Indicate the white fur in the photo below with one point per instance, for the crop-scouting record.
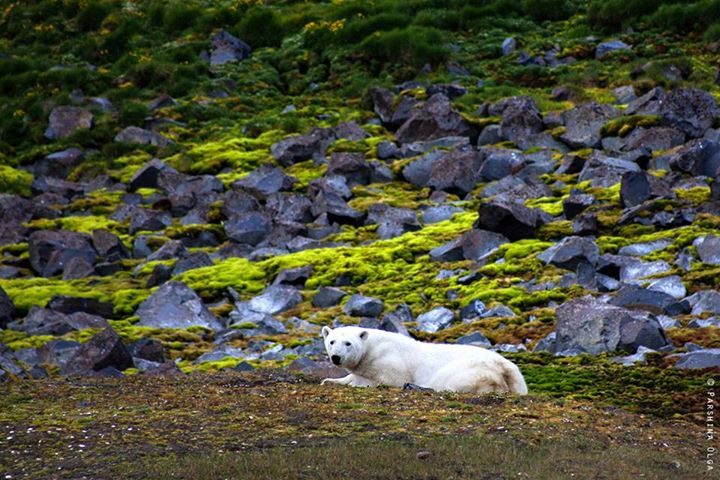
(376, 357)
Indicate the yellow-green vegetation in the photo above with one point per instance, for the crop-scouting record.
(622, 126)
(15, 181)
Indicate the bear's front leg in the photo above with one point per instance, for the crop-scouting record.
(352, 380)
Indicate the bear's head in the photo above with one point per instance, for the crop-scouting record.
(344, 345)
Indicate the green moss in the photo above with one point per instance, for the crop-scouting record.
(551, 205)
(15, 181)
(17, 340)
(624, 125)
(696, 195)
(82, 224)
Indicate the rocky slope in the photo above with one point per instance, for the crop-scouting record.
(556, 200)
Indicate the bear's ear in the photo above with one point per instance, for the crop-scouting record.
(326, 331)
(363, 335)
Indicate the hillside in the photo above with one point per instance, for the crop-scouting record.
(190, 190)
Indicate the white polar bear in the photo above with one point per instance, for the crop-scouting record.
(376, 357)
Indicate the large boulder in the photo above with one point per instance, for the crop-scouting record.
(249, 228)
(350, 165)
(175, 305)
(511, 219)
(437, 118)
(64, 121)
(109, 246)
(227, 48)
(690, 110)
(50, 251)
(696, 157)
(520, 121)
(583, 124)
(498, 163)
(637, 298)
(104, 350)
(638, 187)
(592, 326)
(147, 175)
(455, 172)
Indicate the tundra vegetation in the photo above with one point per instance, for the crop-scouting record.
(190, 190)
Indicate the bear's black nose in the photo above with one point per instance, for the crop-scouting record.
(335, 359)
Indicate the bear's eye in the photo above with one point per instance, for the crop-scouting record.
(347, 344)
(332, 342)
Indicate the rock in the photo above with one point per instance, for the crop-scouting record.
(316, 369)
(352, 166)
(704, 323)
(249, 228)
(144, 219)
(668, 322)
(50, 251)
(57, 352)
(498, 311)
(635, 358)
(472, 245)
(511, 219)
(672, 285)
(604, 171)
(476, 339)
(653, 301)
(439, 213)
(192, 261)
(454, 172)
(520, 121)
(295, 277)
(547, 343)
(583, 124)
(595, 327)
(653, 139)
(574, 205)
(175, 305)
(103, 350)
(571, 252)
(382, 100)
(289, 207)
(7, 309)
(696, 157)
(642, 249)
(435, 119)
(68, 305)
(362, 306)
(109, 246)
(332, 184)
(148, 349)
(648, 104)
(77, 268)
(624, 94)
(220, 353)
(498, 163)
(64, 121)
(59, 164)
(170, 250)
(327, 297)
(638, 187)
(509, 45)
(266, 180)
(637, 270)
(227, 48)
(709, 250)
(474, 309)
(690, 110)
(387, 150)
(490, 135)
(336, 209)
(140, 136)
(160, 274)
(62, 190)
(708, 358)
(395, 321)
(302, 147)
(418, 172)
(610, 46)
(705, 301)
(147, 175)
(275, 299)
(392, 221)
(437, 319)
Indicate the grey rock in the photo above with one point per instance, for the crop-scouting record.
(266, 180)
(570, 252)
(435, 320)
(638, 357)
(476, 339)
(547, 343)
(490, 135)
(148, 349)
(574, 205)
(509, 45)
(328, 297)
(248, 228)
(511, 219)
(50, 251)
(642, 249)
(653, 301)
(220, 353)
(147, 175)
(227, 48)
(7, 309)
(472, 245)
(705, 301)
(709, 358)
(59, 164)
(624, 94)
(192, 261)
(435, 119)
(605, 48)
(395, 321)
(275, 299)
(362, 306)
(103, 350)
(691, 110)
(709, 250)
(175, 305)
(64, 121)
(498, 311)
(583, 124)
(140, 136)
(671, 285)
(595, 327)
(474, 309)
(439, 213)
(704, 323)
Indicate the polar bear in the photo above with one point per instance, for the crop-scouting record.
(376, 357)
